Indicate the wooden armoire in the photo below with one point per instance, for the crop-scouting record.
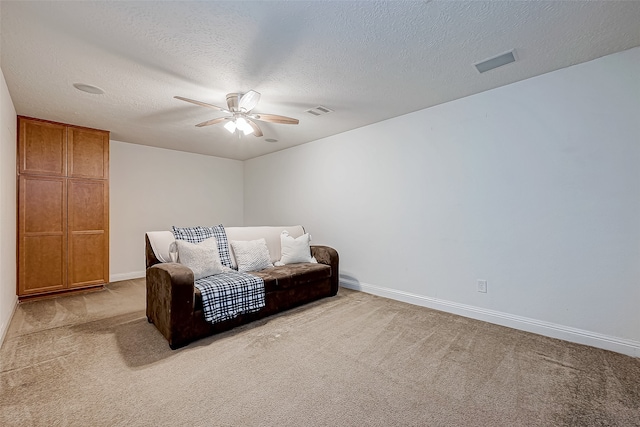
(63, 207)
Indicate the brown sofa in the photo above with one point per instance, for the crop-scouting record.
(174, 304)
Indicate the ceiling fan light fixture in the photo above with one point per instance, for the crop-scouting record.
(230, 126)
(244, 126)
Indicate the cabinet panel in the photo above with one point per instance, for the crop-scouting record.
(88, 210)
(88, 153)
(42, 264)
(87, 255)
(43, 204)
(42, 234)
(42, 147)
(88, 205)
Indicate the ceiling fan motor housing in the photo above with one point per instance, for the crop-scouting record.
(233, 101)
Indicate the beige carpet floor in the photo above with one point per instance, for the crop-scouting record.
(351, 360)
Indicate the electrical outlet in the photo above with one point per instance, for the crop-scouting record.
(482, 286)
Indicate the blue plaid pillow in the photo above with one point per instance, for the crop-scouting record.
(198, 234)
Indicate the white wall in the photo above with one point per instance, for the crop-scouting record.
(8, 208)
(534, 187)
(154, 188)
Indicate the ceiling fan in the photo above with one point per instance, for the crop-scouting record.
(241, 118)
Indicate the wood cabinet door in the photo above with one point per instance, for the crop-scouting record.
(42, 234)
(88, 153)
(42, 147)
(88, 210)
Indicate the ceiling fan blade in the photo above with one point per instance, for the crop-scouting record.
(273, 118)
(256, 129)
(202, 104)
(249, 100)
(212, 121)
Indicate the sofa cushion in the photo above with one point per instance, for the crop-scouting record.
(160, 242)
(289, 276)
(199, 233)
(270, 234)
(279, 278)
(295, 250)
(251, 255)
(202, 258)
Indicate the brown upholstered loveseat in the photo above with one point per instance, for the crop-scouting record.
(174, 304)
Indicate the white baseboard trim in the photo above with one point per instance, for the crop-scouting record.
(567, 333)
(126, 276)
(4, 326)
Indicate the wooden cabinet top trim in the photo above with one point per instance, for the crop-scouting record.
(59, 123)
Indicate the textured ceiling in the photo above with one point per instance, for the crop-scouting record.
(368, 61)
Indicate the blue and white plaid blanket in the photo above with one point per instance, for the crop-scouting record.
(226, 295)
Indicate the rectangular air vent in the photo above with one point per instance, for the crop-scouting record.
(319, 110)
(496, 61)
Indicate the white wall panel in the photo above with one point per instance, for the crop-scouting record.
(534, 187)
(153, 188)
(8, 207)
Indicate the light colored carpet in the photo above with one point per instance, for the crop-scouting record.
(351, 360)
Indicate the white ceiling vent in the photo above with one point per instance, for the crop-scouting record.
(496, 61)
(319, 111)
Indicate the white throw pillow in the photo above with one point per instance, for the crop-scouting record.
(251, 255)
(202, 258)
(295, 250)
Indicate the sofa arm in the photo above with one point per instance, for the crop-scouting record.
(329, 256)
(170, 300)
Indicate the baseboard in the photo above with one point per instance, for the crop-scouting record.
(4, 327)
(580, 336)
(126, 276)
